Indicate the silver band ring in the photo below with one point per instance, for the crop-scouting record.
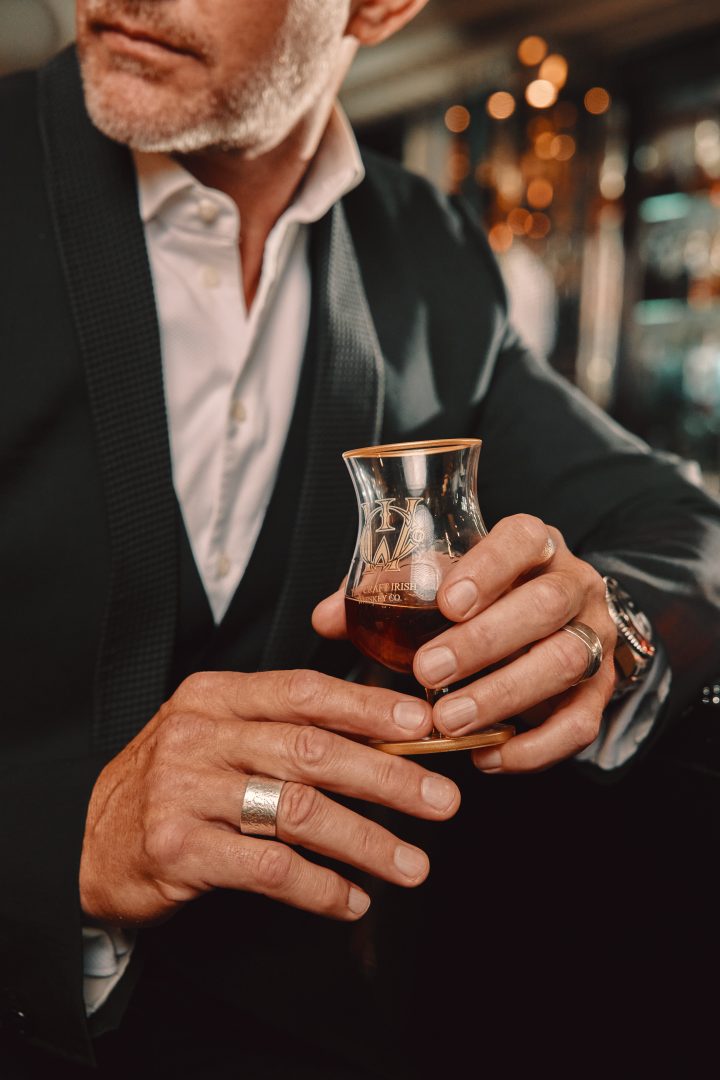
(592, 643)
(258, 813)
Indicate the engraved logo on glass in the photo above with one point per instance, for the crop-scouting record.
(392, 537)
(382, 519)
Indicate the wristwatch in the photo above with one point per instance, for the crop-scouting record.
(634, 650)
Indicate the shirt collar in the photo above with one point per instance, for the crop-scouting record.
(335, 170)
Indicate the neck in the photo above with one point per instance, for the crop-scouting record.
(262, 188)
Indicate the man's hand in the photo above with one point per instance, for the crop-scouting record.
(510, 597)
(163, 820)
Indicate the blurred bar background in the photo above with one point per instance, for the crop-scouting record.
(586, 136)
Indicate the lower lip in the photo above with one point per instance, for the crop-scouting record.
(139, 48)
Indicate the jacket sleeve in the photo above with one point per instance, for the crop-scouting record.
(42, 809)
(629, 512)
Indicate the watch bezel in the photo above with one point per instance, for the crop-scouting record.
(635, 650)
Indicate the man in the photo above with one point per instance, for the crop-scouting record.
(201, 239)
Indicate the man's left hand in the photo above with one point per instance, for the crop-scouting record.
(509, 598)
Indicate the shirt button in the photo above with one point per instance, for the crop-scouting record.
(210, 277)
(222, 567)
(207, 211)
(238, 412)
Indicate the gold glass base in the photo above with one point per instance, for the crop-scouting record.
(441, 744)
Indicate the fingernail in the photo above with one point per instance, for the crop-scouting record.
(461, 596)
(487, 760)
(410, 715)
(457, 713)
(358, 901)
(438, 792)
(410, 861)
(437, 664)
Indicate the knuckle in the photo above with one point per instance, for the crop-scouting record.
(528, 527)
(165, 841)
(368, 708)
(567, 658)
(273, 868)
(394, 779)
(196, 687)
(311, 747)
(480, 638)
(582, 730)
(304, 689)
(300, 805)
(365, 843)
(162, 780)
(501, 692)
(328, 897)
(487, 560)
(552, 598)
(181, 730)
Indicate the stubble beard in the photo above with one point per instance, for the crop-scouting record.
(253, 113)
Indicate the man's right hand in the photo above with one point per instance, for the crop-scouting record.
(163, 820)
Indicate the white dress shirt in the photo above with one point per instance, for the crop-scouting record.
(231, 377)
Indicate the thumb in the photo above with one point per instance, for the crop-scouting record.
(328, 618)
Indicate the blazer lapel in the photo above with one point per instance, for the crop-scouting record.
(102, 245)
(346, 412)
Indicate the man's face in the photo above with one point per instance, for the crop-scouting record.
(184, 75)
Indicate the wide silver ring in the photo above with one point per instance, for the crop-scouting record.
(592, 643)
(258, 813)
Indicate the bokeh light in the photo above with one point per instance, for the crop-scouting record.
(562, 147)
(457, 119)
(597, 100)
(544, 145)
(541, 94)
(554, 68)
(612, 184)
(539, 226)
(532, 50)
(500, 237)
(509, 180)
(646, 158)
(538, 125)
(540, 193)
(500, 105)
(519, 220)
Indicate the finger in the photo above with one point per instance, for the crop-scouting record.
(328, 618)
(515, 546)
(310, 755)
(551, 667)
(220, 858)
(307, 817)
(571, 728)
(308, 697)
(526, 614)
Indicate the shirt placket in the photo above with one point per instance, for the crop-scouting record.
(241, 424)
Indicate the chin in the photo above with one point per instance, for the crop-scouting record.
(133, 108)
(155, 112)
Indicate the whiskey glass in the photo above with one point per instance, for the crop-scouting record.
(418, 514)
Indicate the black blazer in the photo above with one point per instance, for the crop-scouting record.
(412, 341)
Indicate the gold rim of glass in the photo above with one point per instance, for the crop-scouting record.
(430, 446)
